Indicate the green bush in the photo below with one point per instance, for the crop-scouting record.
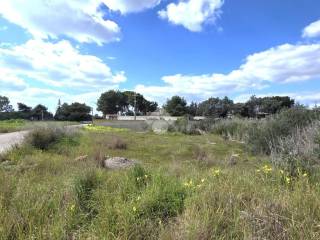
(299, 152)
(43, 138)
(263, 134)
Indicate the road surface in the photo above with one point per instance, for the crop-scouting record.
(9, 140)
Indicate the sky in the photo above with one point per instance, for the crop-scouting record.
(77, 49)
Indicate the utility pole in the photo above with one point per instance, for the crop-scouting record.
(135, 105)
(92, 115)
(42, 115)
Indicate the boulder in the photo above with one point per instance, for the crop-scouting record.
(118, 163)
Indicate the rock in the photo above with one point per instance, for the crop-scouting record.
(118, 163)
(81, 158)
(234, 159)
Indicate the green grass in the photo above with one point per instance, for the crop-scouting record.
(15, 125)
(183, 188)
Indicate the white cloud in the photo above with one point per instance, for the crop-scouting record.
(77, 19)
(312, 30)
(126, 6)
(192, 14)
(56, 64)
(283, 64)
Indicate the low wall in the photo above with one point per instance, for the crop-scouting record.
(145, 118)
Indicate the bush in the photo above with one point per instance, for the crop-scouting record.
(232, 128)
(263, 135)
(298, 152)
(186, 126)
(43, 138)
(117, 143)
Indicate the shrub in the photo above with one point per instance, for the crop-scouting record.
(186, 126)
(298, 152)
(43, 138)
(117, 143)
(232, 128)
(262, 135)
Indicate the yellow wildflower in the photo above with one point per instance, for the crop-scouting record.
(305, 175)
(288, 180)
(134, 209)
(202, 180)
(267, 169)
(216, 172)
(72, 207)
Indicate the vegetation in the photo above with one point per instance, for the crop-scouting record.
(20, 125)
(114, 102)
(176, 106)
(185, 186)
(73, 112)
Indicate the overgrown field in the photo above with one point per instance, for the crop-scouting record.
(14, 125)
(185, 187)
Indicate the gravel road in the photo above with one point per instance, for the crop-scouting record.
(9, 140)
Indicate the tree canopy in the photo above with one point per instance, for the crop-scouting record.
(5, 104)
(73, 112)
(114, 102)
(176, 106)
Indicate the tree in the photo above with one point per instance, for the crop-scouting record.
(268, 105)
(136, 100)
(112, 102)
(24, 108)
(5, 104)
(40, 112)
(74, 112)
(176, 106)
(216, 107)
(193, 109)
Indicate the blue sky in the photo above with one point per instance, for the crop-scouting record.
(77, 49)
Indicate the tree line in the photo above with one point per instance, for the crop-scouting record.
(129, 103)
(223, 107)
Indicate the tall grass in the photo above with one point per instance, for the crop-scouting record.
(49, 195)
(262, 135)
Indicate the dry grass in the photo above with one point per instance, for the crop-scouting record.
(117, 143)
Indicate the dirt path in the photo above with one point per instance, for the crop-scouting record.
(9, 140)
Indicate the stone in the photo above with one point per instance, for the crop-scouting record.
(118, 163)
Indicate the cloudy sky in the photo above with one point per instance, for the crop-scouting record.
(76, 49)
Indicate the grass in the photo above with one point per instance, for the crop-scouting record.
(8, 126)
(183, 188)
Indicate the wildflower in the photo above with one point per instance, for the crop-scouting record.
(266, 169)
(146, 176)
(202, 180)
(288, 180)
(216, 172)
(138, 198)
(134, 209)
(188, 184)
(305, 175)
(138, 179)
(72, 207)
(282, 172)
(258, 170)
